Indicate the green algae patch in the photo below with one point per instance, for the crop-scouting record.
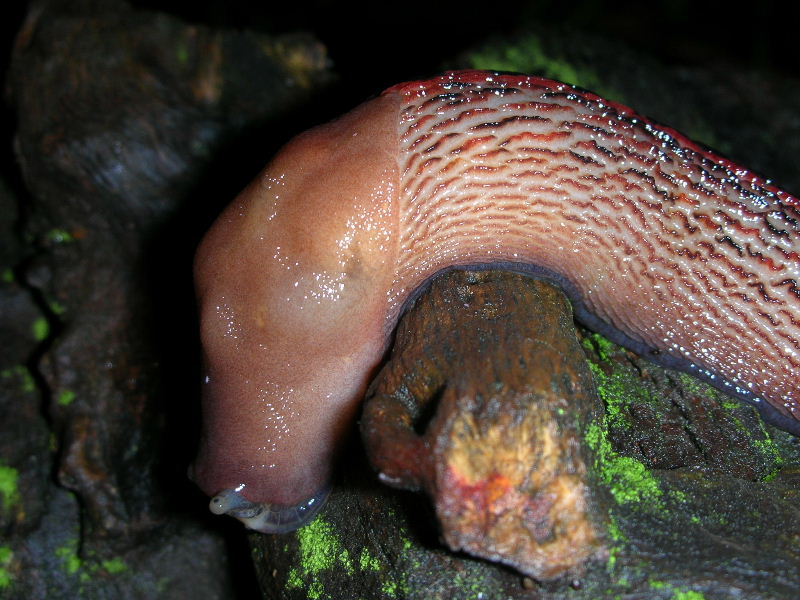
(472, 586)
(74, 565)
(8, 276)
(9, 487)
(688, 595)
(602, 346)
(23, 374)
(114, 566)
(56, 307)
(759, 439)
(59, 236)
(771, 453)
(182, 54)
(6, 555)
(617, 538)
(40, 329)
(677, 593)
(68, 553)
(530, 56)
(65, 397)
(695, 386)
(367, 562)
(627, 478)
(391, 589)
(320, 550)
(619, 385)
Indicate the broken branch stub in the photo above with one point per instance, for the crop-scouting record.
(483, 404)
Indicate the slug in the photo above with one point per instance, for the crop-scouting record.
(662, 246)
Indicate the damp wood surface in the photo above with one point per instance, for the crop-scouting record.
(119, 114)
(484, 404)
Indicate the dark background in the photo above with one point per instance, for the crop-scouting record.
(374, 44)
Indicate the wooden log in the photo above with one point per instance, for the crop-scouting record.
(484, 404)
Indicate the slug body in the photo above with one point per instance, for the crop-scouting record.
(662, 246)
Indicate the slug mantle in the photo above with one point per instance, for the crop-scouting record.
(664, 247)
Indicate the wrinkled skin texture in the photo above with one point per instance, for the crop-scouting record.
(287, 255)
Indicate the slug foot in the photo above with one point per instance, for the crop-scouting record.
(265, 517)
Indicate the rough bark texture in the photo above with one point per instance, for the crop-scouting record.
(120, 114)
(485, 403)
(134, 129)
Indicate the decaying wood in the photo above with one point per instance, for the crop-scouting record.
(484, 404)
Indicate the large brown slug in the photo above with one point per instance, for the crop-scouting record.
(662, 246)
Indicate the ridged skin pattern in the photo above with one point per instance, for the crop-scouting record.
(681, 252)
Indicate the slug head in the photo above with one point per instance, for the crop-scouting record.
(292, 285)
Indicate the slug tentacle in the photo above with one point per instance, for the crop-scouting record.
(265, 517)
(661, 245)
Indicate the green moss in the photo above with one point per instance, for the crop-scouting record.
(677, 593)
(59, 236)
(471, 585)
(114, 566)
(68, 553)
(769, 450)
(367, 562)
(9, 488)
(603, 347)
(688, 595)
(390, 588)
(8, 275)
(679, 496)
(40, 329)
(617, 538)
(85, 569)
(6, 555)
(412, 558)
(694, 386)
(182, 53)
(619, 386)
(627, 478)
(27, 383)
(657, 585)
(294, 580)
(765, 444)
(530, 56)
(614, 390)
(66, 397)
(393, 588)
(614, 531)
(56, 307)
(320, 550)
(771, 453)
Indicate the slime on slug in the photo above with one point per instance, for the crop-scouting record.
(662, 246)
